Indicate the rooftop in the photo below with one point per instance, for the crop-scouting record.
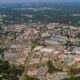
(58, 38)
(49, 50)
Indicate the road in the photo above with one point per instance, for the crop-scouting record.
(30, 55)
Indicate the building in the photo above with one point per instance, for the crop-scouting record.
(35, 59)
(57, 76)
(16, 48)
(32, 72)
(56, 41)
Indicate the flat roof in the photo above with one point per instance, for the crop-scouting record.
(49, 50)
(38, 48)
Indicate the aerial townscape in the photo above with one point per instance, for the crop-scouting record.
(40, 41)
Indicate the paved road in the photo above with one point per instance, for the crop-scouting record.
(29, 57)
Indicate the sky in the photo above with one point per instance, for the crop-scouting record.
(19, 1)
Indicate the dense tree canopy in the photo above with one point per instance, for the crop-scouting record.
(52, 68)
(6, 68)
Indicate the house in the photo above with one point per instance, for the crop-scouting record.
(35, 58)
(46, 34)
(46, 54)
(11, 57)
(73, 40)
(16, 48)
(45, 58)
(15, 58)
(77, 50)
(21, 61)
(26, 51)
(32, 72)
(42, 72)
(38, 48)
(47, 50)
(56, 41)
(57, 76)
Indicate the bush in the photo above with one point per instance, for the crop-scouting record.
(51, 67)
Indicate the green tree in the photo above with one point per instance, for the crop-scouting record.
(20, 69)
(52, 68)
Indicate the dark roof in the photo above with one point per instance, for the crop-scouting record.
(58, 38)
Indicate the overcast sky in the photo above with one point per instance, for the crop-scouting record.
(19, 1)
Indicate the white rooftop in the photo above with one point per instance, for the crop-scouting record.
(48, 50)
(56, 52)
(77, 52)
(38, 48)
